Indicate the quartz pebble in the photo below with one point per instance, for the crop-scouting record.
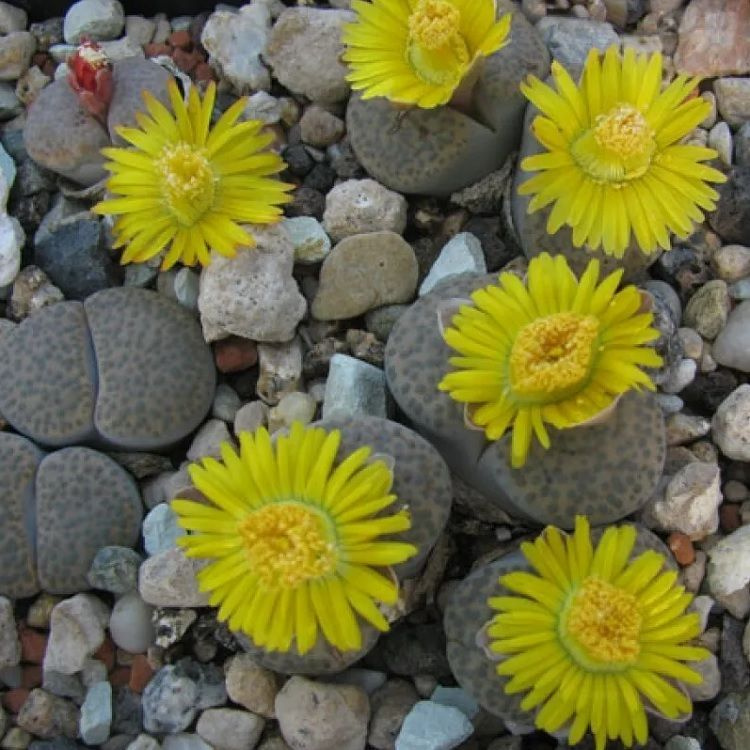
(728, 567)
(230, 728)
(160, 529)
(729, 425)
(96, 714)
(292, 407)
(251, 686)
(115, 569)
(16, 50)
(185, 741)
(354, 387)
(311, 242)
(357, 206)
(96, 20)
(280, 370)
(720, 139)
(732, 345)
(250, 417)
(733, 99)
(168, 580)
(434, 726)
(461, 254)
(130, 624)
(208, 440)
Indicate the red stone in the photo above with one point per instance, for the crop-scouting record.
(729, 517)
(181, 39)
(106, 653)
(154, 49)
(235, 354)
(119, 676)
(682, 548)
(14, 699)
(140, 673)
(31, 676)
(187, 61)
(204, 72)
(33, 645)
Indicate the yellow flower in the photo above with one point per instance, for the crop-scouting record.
(187, 186)
(595, 638)
(294, 541)
(554, 350)
(419, 51)
(614, 163)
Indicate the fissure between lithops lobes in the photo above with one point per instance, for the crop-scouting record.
(553, 350)
(186, 188)
(594, 638)
(419, 51)
(614, 165)
(296, 537)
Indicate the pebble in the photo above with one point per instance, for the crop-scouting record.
(235, 42)
(720, 138)
(10, 646)
(357, 206)
(185, 741)
(570, 39)
(318, 127)
(130, 624)
(684, 428)
(235, 354)
(226, 403)
(462, 254)
(171, 624)
(12, 18)
(208, 440)
(679, 376)
(252, 295)
(741, 145)
(304, 50)
(76, 632)
(169, 701)
(319, 716)
(264, 107)
(47, 716)
(16, 50)
(250, 417)
(354, 387)
(369, 680)
(732, 345)
(693, 574)
(115, 569)
(168, 580)
(18, 739)
(710, 685)
(732, 262)
(729, 424)
(292, 407)
(96, 714)
(311, 242)
(280, 370)
(32, 291)
(363, 272)
(691, 501)
(733, 99)
(139, 29)
(728, 568)
(96, 20)
(735, 491)
(730, 721)
(12, 238)
(230, 728)
(251, 686)
(708, 309)
(681, 547)
(144, 742)
(10, 105)
(160, 528)
(432, 726)
(390, 704)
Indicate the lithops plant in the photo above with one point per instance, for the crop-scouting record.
(127, 368)
(58, 510)
(607, 470)
(380, 489)
(71, 120)
(441, 149)
(577, 632)
(613, 168)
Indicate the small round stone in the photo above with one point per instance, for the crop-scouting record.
(130, 624)
(115, 569)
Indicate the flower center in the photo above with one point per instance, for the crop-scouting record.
(604, 622)
(619, 148)
(436, 50)
(551, 356)
(187, 181)
(287, 544)
(623, 131)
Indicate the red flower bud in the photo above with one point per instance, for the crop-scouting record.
(90, 76)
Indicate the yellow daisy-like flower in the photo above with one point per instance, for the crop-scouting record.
(593, 638)
(186, 186)
(295, 540)
(555, 350)
(419, 51)
(614, 164)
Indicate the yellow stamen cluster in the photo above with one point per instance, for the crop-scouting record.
(434, 23)
(624, 131)
(187, 181)
(605, 622)
(287, 544)
(553, 353)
